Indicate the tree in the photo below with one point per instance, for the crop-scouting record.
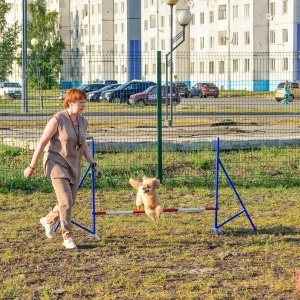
(45, 59)
(8, 41)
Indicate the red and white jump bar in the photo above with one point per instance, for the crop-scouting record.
(130, 212)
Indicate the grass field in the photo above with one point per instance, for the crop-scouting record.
(175, 257)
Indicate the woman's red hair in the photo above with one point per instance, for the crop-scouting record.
(74, 95)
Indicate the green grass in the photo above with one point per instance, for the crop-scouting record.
(175, 257)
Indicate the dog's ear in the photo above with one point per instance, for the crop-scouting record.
(156, 183)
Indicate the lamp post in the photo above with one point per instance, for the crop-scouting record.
(24, 57)
(184, 17)
(34, 42)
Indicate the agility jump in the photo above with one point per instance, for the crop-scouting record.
(215, 208)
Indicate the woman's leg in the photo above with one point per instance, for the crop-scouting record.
(66, 195)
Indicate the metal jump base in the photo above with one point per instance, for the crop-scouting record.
(217, 226)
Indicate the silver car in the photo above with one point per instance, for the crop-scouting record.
(280, 92)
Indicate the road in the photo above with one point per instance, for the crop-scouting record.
(253, 103)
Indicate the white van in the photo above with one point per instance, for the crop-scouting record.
(13, 90)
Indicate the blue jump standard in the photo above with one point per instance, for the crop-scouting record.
(244, 210)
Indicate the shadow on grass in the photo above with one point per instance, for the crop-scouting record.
(275, 230)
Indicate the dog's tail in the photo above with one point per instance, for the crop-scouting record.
(134, 183)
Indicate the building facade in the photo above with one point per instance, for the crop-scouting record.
(238, 44)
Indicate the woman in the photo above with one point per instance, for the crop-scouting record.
(287, 92)
(64, 141)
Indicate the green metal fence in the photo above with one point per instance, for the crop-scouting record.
(245, 116)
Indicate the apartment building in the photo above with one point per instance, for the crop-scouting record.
(238, 44)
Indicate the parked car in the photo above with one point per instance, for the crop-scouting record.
(124, 91)
(95, 95)
(204, 89)
(182, 87)
(109, 81)
(11, 89)
(86, 88)
(295, 91)
(105, 94)
(149, 96)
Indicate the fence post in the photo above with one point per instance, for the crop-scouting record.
(159, 118)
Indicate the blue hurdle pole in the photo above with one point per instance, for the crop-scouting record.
(244, 210)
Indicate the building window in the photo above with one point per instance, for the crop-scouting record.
(222, 38)
(116, 8)
(116, 48)
(162, 21)
(93, 29)
(146, 48)
(202, 43)
(201, 67)
(85, 30)
(211, 67)
(202, 18)
(247, 37)
(122, 48)
(122, 27)
(272, 64)
(192, 68)
(272, 8)
(163, 44)
(211, 16)
(122, 7)
(192, 41)
(247, 65)
(99, 8)
(152, 43)
(284, 6)
(116, 28)
(247, 10)
(152, 21)
(235, 12)
(145, 3)
(222, 12)
(235, 65)
(146, 68)
(93, 9)
(285, 64)
(193, 19)
(163, 68)
(99, 28)
(235, 39)
(272, 36)
(221, 67)
(153, 68)
(146, 25)
(85, 10)
(285, 36)
(211, 42)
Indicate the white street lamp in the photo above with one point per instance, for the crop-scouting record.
(184, 17)
(34, 42)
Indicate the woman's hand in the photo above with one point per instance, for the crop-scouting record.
(98, 171)
(28, 172)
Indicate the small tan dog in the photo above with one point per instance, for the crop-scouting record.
(148, 196)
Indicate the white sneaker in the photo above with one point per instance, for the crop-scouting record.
(69, 244)
(49, 229)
